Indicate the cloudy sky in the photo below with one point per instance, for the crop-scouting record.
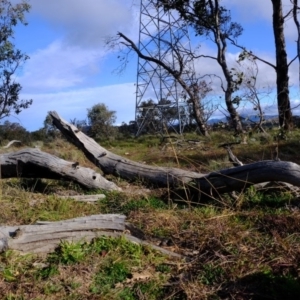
(71, 68)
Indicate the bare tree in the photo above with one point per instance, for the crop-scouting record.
(208, 106)
(214, 21)
(250, 92)
(282, 65)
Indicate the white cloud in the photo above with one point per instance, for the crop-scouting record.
(251, 11)
(77, 57)
(254, 10)
(57, 67)
(74, 104)
(87, 23)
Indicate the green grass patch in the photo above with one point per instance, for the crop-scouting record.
(116, 202)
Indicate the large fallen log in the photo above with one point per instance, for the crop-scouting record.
(111, 163)
(212, 184)
(44, 237)
(33, 163)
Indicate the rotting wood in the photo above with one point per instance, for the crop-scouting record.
(212, 184)
(44, 237)
(33, 163)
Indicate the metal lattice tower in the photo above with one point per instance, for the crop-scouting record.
(160, 33)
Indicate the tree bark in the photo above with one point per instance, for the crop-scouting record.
(221, 43)
(282, 78)
(212, 184)
(33, 163)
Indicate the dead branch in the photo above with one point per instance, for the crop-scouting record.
(11, 143)
(33, 163)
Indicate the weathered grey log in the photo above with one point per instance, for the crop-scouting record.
(85, 198)
(44, 237)
(11, 143)
(33, 163)
(212, 184)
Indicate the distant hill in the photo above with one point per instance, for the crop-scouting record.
(245, 119)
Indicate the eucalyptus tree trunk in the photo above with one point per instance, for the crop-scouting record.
(198, 116)
(234, 115)
(282, 67)
(220, 41)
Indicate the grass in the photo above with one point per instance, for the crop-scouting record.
(242, 248)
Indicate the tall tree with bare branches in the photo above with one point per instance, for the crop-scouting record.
(282, 65)
(211, 19)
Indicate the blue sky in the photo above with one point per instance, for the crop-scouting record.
(70, 68)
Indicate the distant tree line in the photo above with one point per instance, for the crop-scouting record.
(99, 124)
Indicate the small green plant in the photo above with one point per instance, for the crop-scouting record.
(151, 290)
(9, 275)
(125, 294)
(251, 198)
(51, 288)
(118, 203)
(163, 268)
(109, 276)
(69, 253)
(210, 274)
(128, 250)
(160, 232)
(143, 204)
(47, 272)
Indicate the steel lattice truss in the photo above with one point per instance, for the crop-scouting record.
(162, 36)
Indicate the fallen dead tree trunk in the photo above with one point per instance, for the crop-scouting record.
(33, 163)
(44, 237)
(111, 163)
(215, 183)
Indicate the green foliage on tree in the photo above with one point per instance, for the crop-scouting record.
(13, 131)
(11, 58)
(50, 131)
(101, 120)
